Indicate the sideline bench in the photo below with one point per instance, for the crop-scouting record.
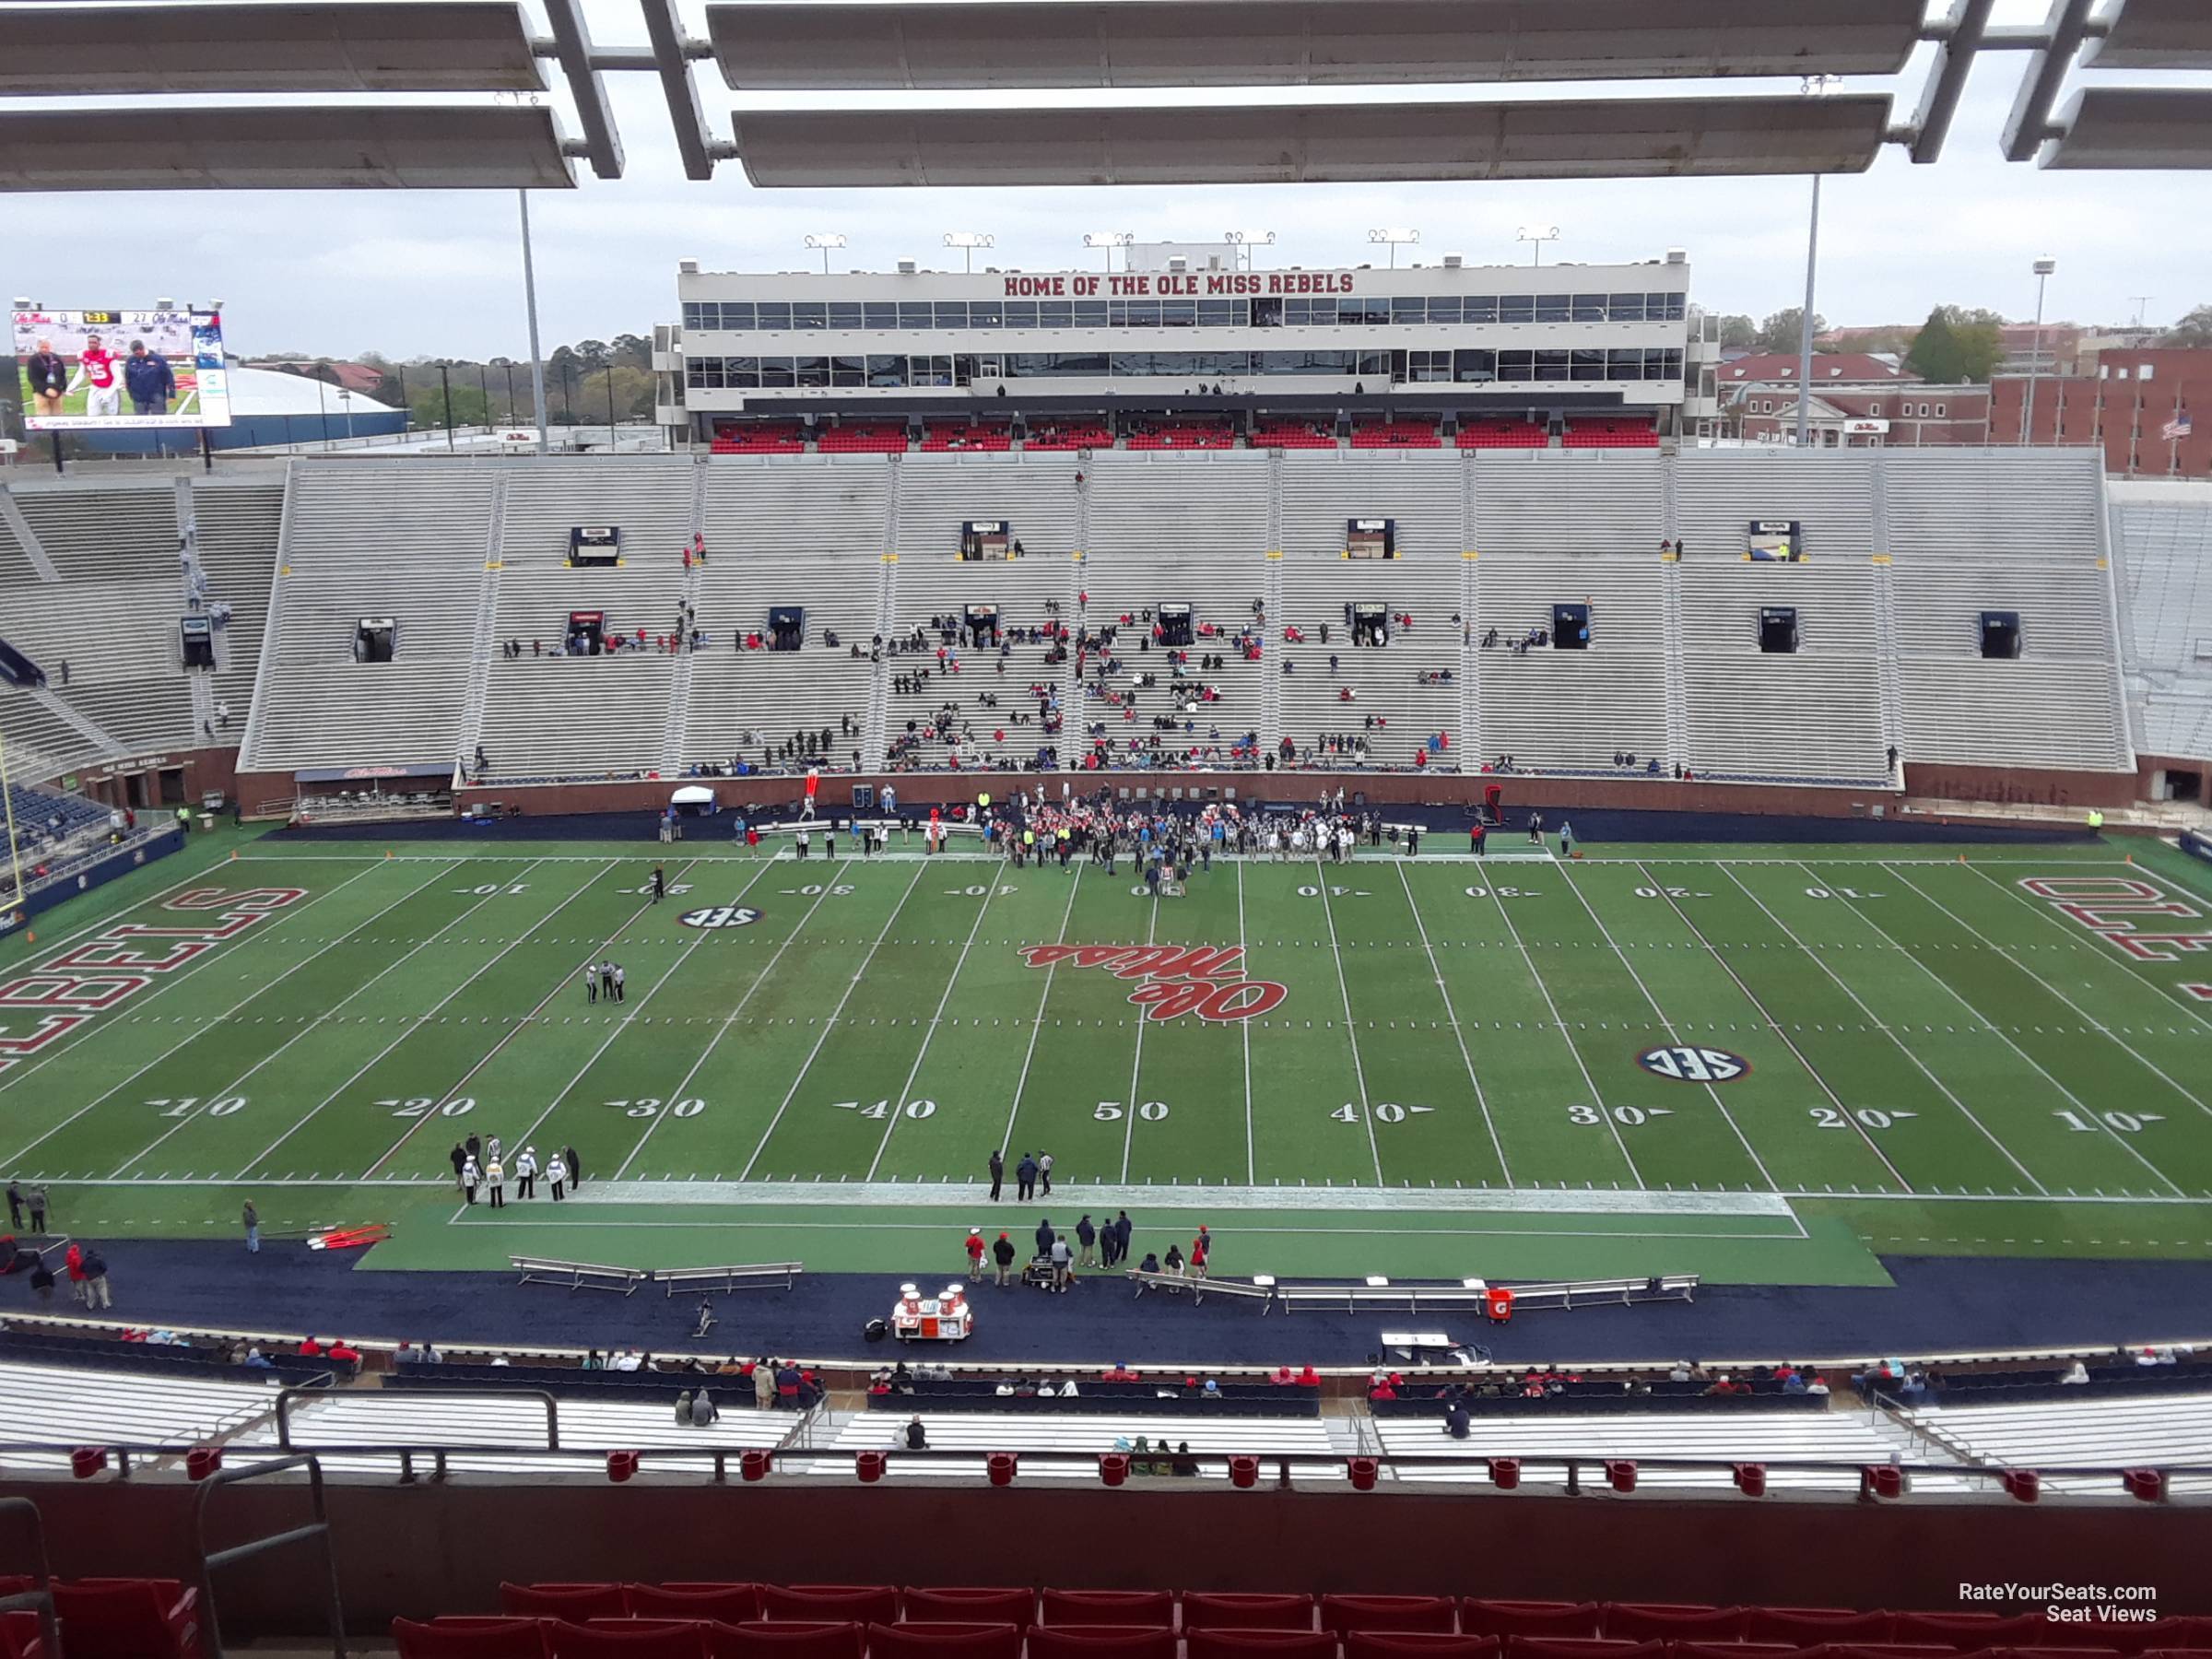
(1475, 1293)
(1200, 1289)
(760, 1276)
(578, 1275)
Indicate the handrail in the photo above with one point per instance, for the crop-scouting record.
(284, 1435)
(318, 1528)
(40, 1596)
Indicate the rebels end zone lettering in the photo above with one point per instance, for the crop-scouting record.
(2101, 903)
(108, 969)
(1177, 979)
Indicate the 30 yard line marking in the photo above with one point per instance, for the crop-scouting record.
(721, 1030)
(15, 1074)
(651, 991)
(414, 1024)
(1037, 1024)
(930, 1032)
(1903, 1047)
(829, 1024)
(1605, 932)
(1775, 1025)
(199, 1030)
(1505, 1168)
(1998, 1031)
(1367, 1109)
(1137, 1058)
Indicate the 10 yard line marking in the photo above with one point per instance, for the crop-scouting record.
(416, 1024)
(1481, 1100)
(721, 1030)
(651, 991)
(241, 1001)
(1367, 1110)
(829, 1024)
(921, 1055)
(1037, 1024)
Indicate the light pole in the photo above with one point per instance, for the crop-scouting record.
(1396, 237)
(2043, 267)
(824, 242)
(345, 404)
(1812, 86)
(1110, 241)
(1247, 241)
(968, 241)
(1536, 239)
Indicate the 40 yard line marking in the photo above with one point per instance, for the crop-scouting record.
(829, 1024)
(1481, 1100)
(952, 978)
(1367, 1110)
(721, 1030)
(1136, 1059)
(1037, 1024)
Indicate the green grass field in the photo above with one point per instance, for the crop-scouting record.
(1754, 1062)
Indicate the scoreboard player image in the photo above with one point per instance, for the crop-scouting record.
(90, 369)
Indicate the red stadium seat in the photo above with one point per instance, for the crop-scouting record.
(1228, 1645)
(1107, 1607)
(1671, 1621)
(19, 1635)
(1805, 1627)
(470, 1639)
(1572, 1647)
(1431, 1613)
(1103, 1641)
(729, 1604)
(576, 1602)
(822, 1640)
(1390, 1644)
(1733, 1650)
(2170, 1634)
(863, 1604)
(1880, 1650)
(1016, 1608)
(627, 1638)
(1969, 1630)
(1528, 1617)
(941, 1641)
(1207, 1610)
(128, 1619)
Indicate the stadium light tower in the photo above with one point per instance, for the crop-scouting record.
(1397, 239)
(1110, 241)
(824, 242)
(1812, 86)
(2042, 267)
(1247, 241)
(1537, 236)
(968, 241)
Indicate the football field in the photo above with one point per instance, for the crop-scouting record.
(1744, 1048)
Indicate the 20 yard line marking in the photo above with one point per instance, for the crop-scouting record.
(1037, 1024)
(906, 1088)
(721, 1030)
(1504, 1169)
(1367, 1110)
(829, 1024)
(199, 1030)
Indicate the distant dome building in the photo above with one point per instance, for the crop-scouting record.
(267, 407)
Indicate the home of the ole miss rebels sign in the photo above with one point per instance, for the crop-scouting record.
(1154, 285)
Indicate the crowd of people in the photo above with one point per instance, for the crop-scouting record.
(479, 1164)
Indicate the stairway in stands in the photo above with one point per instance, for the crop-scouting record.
(876, 725)
(483, 640)
(678, 720)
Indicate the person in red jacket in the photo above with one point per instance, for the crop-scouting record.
(310, 1347)
(342, 1350)
(75, 1258)
(975, 1254)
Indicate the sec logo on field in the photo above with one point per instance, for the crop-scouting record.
(1694, 1065)
(721, 915)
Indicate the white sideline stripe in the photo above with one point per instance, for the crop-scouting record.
(1351, 1026)
(1436, 973)
(1932, 857)
(929, 1032)
(1022, 1083)
(915, 1193)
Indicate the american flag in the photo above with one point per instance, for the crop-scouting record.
(2178, 428)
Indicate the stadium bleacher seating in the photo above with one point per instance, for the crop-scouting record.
(862, 438)
(758, 437)
(1403, 433)
(1609, 435)
(1180, 435)
(1503, 434)
(1069, 435)
(944, 435)
(1292, 434)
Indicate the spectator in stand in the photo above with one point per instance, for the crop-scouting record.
(917, 1437)
(1457, 1420)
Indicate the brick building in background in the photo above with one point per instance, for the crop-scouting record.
(2126, 399)
(1910, 415)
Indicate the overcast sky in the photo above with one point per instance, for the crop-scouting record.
(431, 272)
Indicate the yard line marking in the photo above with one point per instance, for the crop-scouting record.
(1995, 1030)
(1252, 1176)
(1903, 1047)
(1728, 1117)
(906, 1088)
(240, 1003)
(1367, 1108)
(721, 1030)
(651, 991)
(15, 1074)
(1597, 1098)
(829, 1024)
(414, 1024)
(1775, 1025)
(566, 979)
(1137, 1058)
(2077, 938)
(1037, 1024)
(2149, 1064)
(1450, 1014)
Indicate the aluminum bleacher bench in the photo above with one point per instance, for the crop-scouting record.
(757, 1276)
(1475, 1293)
(578, 1275)
(1200, 1289)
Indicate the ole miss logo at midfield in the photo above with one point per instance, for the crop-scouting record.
(1177, 978)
